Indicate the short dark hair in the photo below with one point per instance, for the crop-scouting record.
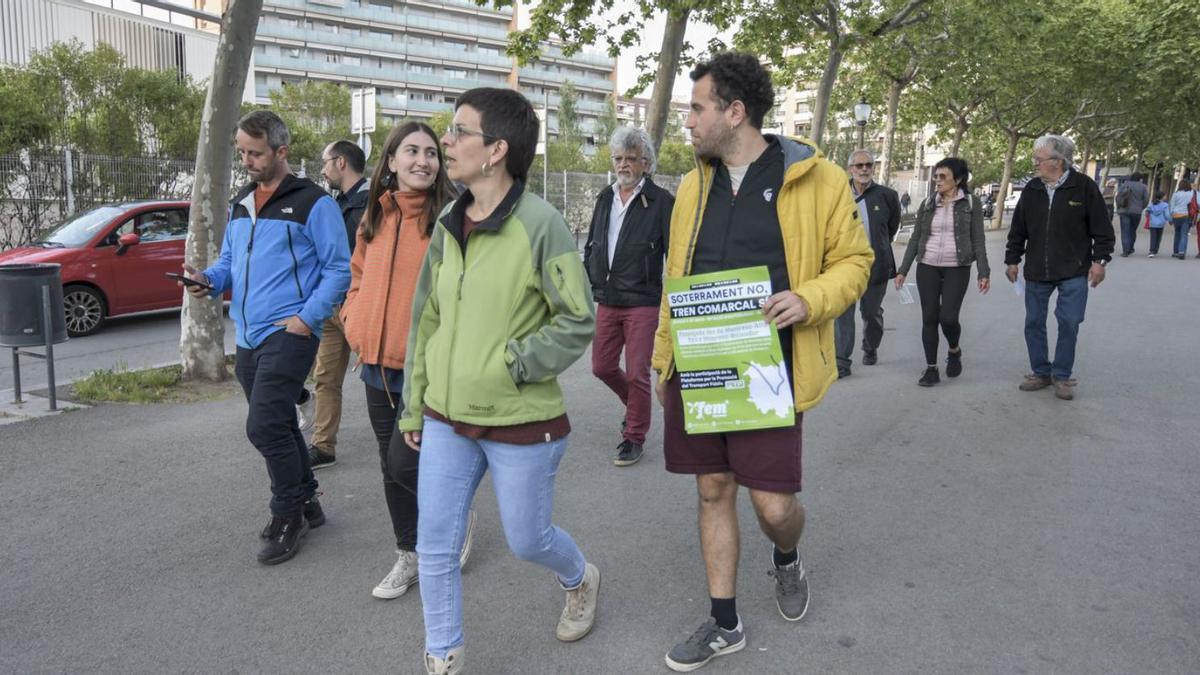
(268, 125)
(355, 158)
(959, 169)
(506, 115)
(738, 76)
(1185, 184)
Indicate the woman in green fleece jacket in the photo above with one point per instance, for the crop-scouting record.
(501, 308)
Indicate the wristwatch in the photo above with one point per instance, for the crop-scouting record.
(1103, 262)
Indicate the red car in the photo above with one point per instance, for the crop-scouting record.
(114, 259)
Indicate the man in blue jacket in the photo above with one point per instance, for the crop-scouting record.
(286, 258)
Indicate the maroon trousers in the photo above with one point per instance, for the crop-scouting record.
(630, 329)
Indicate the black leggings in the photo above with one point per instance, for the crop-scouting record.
(398, 463)
(942, 290)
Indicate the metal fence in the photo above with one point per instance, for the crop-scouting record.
(39, 190)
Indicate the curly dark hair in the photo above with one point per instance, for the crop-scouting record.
(738, 76)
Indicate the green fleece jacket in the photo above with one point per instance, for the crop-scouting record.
(497, 315)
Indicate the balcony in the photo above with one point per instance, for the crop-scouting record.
(556, 78)
(497, 30)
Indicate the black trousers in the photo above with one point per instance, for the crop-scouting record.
(870, 305)
(272, 377)
(398, 463)
(942, 290)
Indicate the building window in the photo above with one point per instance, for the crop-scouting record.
(420, 68)
(330, 57)
(379, 35)
(351, 60)
(801, 107)
(802, 130)
(456, 73)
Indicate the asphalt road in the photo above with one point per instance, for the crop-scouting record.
(132, 342)
(966, 528)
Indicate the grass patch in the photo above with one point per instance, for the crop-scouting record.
(151, 385)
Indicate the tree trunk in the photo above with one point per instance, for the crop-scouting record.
(1107, 162)
(889, 131)
(664, 80)
(1009, 154)
(960, 130)
(1087, 157)
(825, 89)
(1137, 162)
(202, 334)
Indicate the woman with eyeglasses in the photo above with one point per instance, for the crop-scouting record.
(502, 307)
(946, 238)
(407, 191)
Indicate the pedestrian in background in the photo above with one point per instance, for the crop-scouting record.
(501, 309)
(342, 166)
(1158, 215)
(1065, 249)
(879, 209)
(301, 269)
(1183, 207)
(407, 192)
(947, 237)
(626, 244)
(1132, 198)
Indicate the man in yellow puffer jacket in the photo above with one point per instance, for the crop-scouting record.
(771, 201)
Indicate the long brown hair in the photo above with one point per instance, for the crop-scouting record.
(438, 195)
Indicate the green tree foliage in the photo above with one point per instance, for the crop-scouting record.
(317, 114)
(94, 103)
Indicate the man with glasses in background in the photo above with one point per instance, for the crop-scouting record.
(624, 259)
(879, 210)
(342, 167)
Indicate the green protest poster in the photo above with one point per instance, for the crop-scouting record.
(731, 369)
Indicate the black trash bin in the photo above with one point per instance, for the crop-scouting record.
(21, 305)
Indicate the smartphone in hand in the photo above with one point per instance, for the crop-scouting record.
(188, 281)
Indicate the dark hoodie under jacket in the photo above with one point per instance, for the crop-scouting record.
(635, 279)
(1061, 240)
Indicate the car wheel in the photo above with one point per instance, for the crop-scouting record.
(85, 310)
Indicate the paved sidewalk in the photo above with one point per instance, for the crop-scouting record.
(964, 528)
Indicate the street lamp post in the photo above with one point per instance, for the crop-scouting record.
(862, 112)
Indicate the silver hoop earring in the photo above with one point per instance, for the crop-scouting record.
(488, 170)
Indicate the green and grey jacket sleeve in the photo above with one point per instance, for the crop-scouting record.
(978, 240)
(550, 350)
(425, 319)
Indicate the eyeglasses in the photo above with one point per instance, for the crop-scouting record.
(863, 165)
(618, 160)
(457, 131)
(1038, 160)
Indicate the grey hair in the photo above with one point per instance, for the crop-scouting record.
(631, 138)
(1060, 146)
(266, 124)
(861, 151)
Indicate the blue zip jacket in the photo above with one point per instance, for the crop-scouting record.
(1160, 215)
(292, 259)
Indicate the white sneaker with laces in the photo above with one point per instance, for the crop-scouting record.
(452, 664)
(402, 577)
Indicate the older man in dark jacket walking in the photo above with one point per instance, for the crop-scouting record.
(1062, 230)
(624, 258)
(879, 208)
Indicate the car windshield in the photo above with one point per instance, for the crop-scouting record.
(78, 230)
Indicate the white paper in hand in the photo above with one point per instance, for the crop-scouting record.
(906, 296)
(1019, 287)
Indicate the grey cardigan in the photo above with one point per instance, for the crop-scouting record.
(969, 242)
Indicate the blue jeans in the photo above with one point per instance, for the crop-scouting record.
(1182, 225)
(1129, 227)
(1069, 310)
(523, 478)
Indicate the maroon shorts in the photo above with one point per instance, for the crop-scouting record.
(763, 459)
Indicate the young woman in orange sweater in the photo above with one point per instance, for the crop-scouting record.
(408, 190)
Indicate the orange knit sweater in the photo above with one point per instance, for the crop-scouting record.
(383, 275)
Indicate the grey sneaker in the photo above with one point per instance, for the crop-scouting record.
(791, 590)
(452, 664)
(402, 577)
(1034, 382)
(708, 642)
(1064, 389)
(579, 614)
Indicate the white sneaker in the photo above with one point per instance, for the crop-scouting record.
(579, 614)
(466, 547)
(452, 664)
(306, 413)
(400, 579)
